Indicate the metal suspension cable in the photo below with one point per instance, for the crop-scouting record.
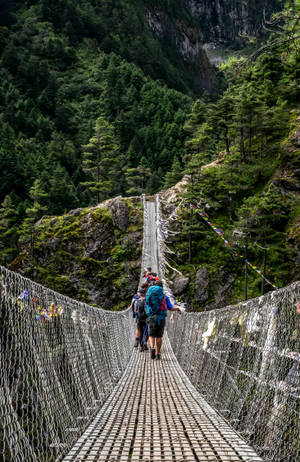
(234, 252)
(162, 260)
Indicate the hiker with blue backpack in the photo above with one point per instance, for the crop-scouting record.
(157, 306)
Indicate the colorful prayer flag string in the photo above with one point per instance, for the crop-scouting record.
(235, 254)
(53, 312)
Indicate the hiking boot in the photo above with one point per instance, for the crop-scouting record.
(152, 353)
(158, 356)
(136, 344)
(145, 347)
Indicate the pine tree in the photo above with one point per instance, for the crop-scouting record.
(196, 117)
(33, 213)
(222, 116)
(136, 179)
(62, 193)
(155, 181)
(99, 159)
(174, 175)
(8, 230)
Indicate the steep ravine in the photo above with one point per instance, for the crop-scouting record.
(195, 27)
(229, 21)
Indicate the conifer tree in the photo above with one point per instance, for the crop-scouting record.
(33, 213)
(154, 183)
(62, 194)
(8, 230)
(136, 179)
(196, 117)
(175, 175)
(99, 159)
(192, 194)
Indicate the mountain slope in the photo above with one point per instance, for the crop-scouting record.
(91, 254)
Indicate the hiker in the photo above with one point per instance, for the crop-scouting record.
(155, 277)
(157, 306)
(150, 276)
(147, 271)
(141, 317)
(144, 285)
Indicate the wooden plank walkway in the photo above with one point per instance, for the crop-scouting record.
(156, 415)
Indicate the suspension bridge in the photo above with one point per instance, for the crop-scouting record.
(72, 388)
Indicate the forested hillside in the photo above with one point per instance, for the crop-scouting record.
(63, 65)
(243, 167)
(101, 98)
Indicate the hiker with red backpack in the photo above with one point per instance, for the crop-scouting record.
(147, 272)
(149, 276)
(157, 306)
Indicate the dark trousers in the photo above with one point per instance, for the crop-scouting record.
(141, 327)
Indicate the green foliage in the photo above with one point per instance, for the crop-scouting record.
(90, 97)
(174, 175)
(8, 229)
(241, 162)
(136, 179)
(83, 249)
(63, 65)
(100, 161)
(33, 212)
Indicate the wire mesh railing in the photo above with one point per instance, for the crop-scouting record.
(245, 360)
(60, 359)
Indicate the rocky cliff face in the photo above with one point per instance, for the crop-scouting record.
(187, 40)
(92, 254)
(227, 21)
(192, 26)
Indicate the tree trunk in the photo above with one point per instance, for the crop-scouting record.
(191, 222)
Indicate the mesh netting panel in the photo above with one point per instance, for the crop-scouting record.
(245, 360)
(60, 359)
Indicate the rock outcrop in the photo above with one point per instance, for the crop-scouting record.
(193, 26)
(179, 284)
(187, 40)
(201, 286)
(223, 289)
(91, 254)
(229, 21)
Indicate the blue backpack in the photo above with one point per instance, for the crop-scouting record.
(153, 300)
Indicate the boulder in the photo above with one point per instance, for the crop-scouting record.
(119, 213)
(179, 284)
(201, 286)
(223, 288)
